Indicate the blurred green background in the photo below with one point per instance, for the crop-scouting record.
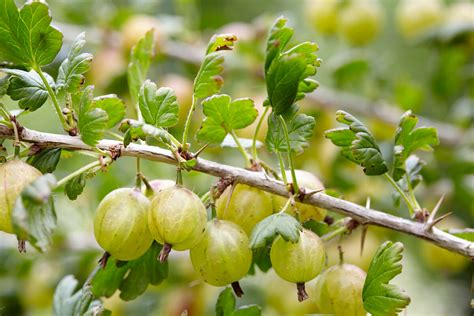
(415, 55)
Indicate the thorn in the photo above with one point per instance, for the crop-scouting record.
(430, 225)
(312, 193)
(436, 209)
(200, 150)
(367, 203)
(365, 228)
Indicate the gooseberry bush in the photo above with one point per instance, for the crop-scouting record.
(254, 217)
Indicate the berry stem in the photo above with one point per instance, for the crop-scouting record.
(87, 167)
(237, 289)
(164, 253)
(301, 290)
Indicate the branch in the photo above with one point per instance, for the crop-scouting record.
(258, 180)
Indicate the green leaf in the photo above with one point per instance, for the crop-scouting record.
(27, 88)
(318, 227)
(379, 297)
(283, 81)
(134, 130)
(225, 304)
(300, 130)
(465, 233)
(28, 39)
(158, 107)
(408, 139)
(140, 60)
(358, 144)
(277, 224)
(33, 216)
(261, 258)
(92, 121)
(72, 69)
(4, 83)
(46, 159)
(224, 116)
(113, 106)
(66, 302)
(277, 40)
(208, 80)
(131, 278)
(248, 310)
(75, 186)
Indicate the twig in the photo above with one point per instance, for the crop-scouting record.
(256, 179)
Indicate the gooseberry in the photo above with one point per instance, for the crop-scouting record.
(120, 224)
(15, 175)
(323, 15)
(360, 21)
(223, 255)
(416, 17)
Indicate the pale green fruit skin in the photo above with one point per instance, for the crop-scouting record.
(177, 217)
(298, 262)
(338, 291)
(360, 22)
(246, 207)
(416, 17)
(223, 255)
(158, 185)
(306, 212)
(323, 15)
(15, 175)
(121, 224)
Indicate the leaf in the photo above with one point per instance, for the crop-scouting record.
(300, 130)
(248, 310)
(277, 224)
(465, 233)
(92, 121)
(224, 116)
(140, 60)
(283, 81)
(72, 69)
(358, 144)
(408, 139)
(134, 130)
(379, 297)
(225, 304)
(33, 216)
(318, 227)
(75, 186)
(158, 107)
(277, 40)
(46, 160)
(261, 258)
(113, 106)
(27, 88)
(28, 39)
(208, 80)
(66, 302)
(132, 277)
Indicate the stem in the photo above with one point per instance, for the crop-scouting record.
(282, 167)
(82, 170)
(334, 233)
(138, 180)
(255, 135)
(241, 148)
(188, 122)
(51, 93)
(290, 157)
(400, 191)
(411, 193)
(114, 135)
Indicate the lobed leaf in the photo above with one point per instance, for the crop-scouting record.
(248, 310)
(28, 39)
(113, 106)
(408, 139)
(224, 116)
(72, 69)
(379, 297)
(27, 88)
(277, 40)
(225, 304)
(277, 224)
(134, 130)
(46, 160)
(92, 121)
(34, 216)
(358, 144)
(140, 60)
(300, 130)
(131, 278)
(158, 107)
(221, 42)
(75, 186)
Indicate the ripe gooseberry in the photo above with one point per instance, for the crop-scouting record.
(305, 212)
(298, 262)
(360, 21)
(15, 176)
(416, 17)
(323, 15)
(177, 219)
(338, 290)
(223, 255)
(120, 224)
(156, 186)
(244, 205)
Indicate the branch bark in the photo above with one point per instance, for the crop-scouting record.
(258, 180)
